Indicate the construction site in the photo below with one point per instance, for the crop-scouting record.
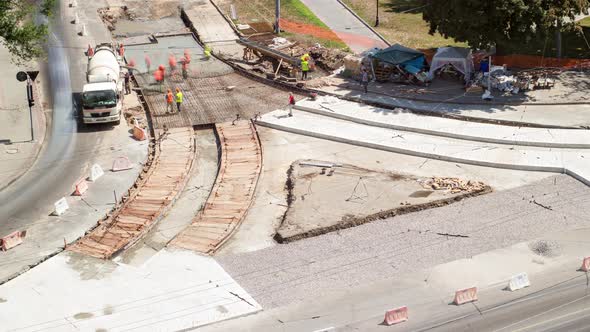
(246, 205)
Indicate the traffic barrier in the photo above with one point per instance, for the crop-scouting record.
(76, 18)
(519, 281)
(139, 133)
(12, 240)
(121, 164)
(95, 172)
(83, 32)
(60, 206)
(81, 187)
(465, 296)
(585, 264)
(74, 3)
(395, 316)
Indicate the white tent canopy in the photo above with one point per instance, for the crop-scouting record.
(460, 58)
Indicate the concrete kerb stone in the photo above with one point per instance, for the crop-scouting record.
(550, 169)
(440, 133)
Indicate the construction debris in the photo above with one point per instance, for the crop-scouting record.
(452, 185)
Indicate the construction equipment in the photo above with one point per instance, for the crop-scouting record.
(102, 95)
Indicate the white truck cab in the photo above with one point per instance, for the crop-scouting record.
(102, 96)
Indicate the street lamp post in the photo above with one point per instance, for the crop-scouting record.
(278, 16)
(377, 14)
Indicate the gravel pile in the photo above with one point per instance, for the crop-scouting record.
(384, 249)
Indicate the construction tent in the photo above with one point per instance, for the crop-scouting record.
(411, 60)
(459, 58)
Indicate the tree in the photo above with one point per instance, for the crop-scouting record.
(486, 23)
(18, 31)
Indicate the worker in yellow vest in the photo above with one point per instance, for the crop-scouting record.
(207, 51)
(178, 99)
(304, 69)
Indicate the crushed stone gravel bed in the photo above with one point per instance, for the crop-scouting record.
(381, 250)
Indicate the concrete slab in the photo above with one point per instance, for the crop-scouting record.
(326, 197)
(401, 119)
(174, 290)
(482, 154)
(267, 211)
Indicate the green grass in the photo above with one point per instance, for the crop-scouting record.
(295, 10)
(310, 40)
(401, 22)
(585, 22)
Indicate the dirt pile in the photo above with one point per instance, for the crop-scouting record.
(110, 15)
(452, 185)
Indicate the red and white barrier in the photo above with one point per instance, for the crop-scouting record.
(121, 164)
(585, 264)
(395, 316)
(139, 133)
(12, 240)
(80, 187)
(465, 296)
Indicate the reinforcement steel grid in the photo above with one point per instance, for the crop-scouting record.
(209, 98)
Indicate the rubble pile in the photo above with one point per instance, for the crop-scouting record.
(527, 80)
(110, 15)
(452, 185)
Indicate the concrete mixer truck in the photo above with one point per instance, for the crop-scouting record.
(102, 95)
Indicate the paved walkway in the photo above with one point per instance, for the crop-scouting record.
(17, 150)
(399, 119)
(348, 27)
(572, 162)
(174, 290)
(547, 115)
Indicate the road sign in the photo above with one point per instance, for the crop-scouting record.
(33, 74)
(21, 76)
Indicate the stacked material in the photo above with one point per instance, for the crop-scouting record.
(453, 185)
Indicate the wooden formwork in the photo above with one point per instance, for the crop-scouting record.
(157, 189)
(233, 192)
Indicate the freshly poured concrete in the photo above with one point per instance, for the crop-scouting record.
(401, 119)
(173, 290)
(570, 161)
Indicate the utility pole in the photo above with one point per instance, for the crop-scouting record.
(278, 16)
(377, 14)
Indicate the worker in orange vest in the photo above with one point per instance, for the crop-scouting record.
(169, 101)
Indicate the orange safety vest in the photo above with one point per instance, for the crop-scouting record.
(169, 98)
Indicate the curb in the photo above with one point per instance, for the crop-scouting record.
(549, 169)
(364, 22)
(491, 103)
(441, 133)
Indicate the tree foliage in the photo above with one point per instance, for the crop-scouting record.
(486, 23)
(18, 31)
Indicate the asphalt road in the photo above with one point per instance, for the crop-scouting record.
(564, 307)
(68, 145)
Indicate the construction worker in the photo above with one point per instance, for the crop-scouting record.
(291, 103)
(169, 101)
(127, 85)
(305, 57)
(207, 52)
(365, 80)
(304, 69)
(178, 99)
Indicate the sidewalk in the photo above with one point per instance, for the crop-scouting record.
(347, 26)
(538, 115)
(18, 153)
